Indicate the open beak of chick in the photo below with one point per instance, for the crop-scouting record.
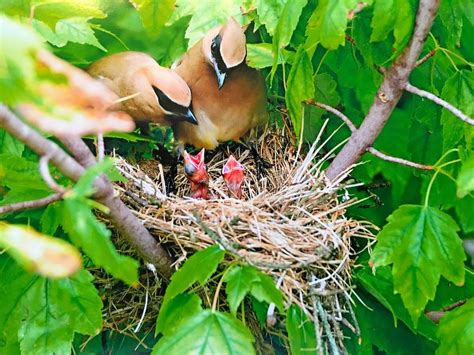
(196, 172)
(233, 173)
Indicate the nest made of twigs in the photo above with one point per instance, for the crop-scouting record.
(291, 222)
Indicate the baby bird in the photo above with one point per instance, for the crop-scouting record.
(233, 173)
(150, 92)
(229, 97)
(196, 172)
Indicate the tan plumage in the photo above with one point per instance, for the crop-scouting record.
(161, 95)
(229, 98)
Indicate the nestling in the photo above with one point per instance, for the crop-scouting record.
(154, 93)
(196, 172)
(233, 173)
(229, 97)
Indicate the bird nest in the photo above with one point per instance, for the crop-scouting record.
(291, 222)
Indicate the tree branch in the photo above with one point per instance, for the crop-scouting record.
(126, 223)
(388, 94)
(371, 150)
(27, 205)
(439, 101)
(46, 175)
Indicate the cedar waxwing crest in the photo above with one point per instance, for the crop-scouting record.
(171, 84)
(233, 43)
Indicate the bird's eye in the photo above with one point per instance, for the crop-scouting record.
(213, 45)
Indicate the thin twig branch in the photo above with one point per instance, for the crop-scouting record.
(129, 226)
(371, 150)
(439, 101)
(388, 95)
(46, 175)
(28, 205)
(425, 58)
(435, 316)
(100, 147)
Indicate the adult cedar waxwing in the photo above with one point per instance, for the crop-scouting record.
(196, 171)
(154, 93)
(234, 174)
(229, 98)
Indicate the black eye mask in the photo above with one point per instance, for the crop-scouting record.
(216, 54)
(170, 105)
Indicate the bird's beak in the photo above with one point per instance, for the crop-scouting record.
(189, 117)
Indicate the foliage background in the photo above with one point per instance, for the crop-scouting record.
(306, 49)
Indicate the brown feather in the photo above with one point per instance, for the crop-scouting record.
(129, 73)
(225, 114)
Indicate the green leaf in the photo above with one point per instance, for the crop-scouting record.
(198, 268)
(422, 243)
(10, 145)
(239, 284)
(18, 43)
(77, 30)
(260, 55)
(57, 309)
(52, 11)
(464, 208)
(458, 91)
(242, 280)
(177, 311)
(50, 257)
(456, 330)
(380, 286)
(206, 14)
(300, 87)
(154, 14)
(84, 186)
(450, 13)
(465, 180)
(46, 313)
(286, 25)
(398, 16)
(93, 238)
(208, 332)
(327, 25)
(269, 12)
(301, 333)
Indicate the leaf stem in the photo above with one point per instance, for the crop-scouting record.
(433, 178)
(219, 285)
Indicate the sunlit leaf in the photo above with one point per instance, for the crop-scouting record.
(206, 14)
(154, 14)
(328, 24)
(456, 331)
(301, 333)
(10, 145)
(260, 55)
(208, 332)
(51, 11)
(269, 12)
(18, 45)
(422, 243)
(77, 30)
(47, 256)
